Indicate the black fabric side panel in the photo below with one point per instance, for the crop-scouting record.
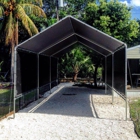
(44, 70)
(53, 69)
(28, 68)
(19, 89)
(109, 70)
(119, 71)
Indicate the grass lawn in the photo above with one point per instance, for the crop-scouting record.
(5, 95)
(135, 114)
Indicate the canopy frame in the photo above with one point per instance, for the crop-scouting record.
(102, 45)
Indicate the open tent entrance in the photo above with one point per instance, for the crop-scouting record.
(82, 65)
(36, 60)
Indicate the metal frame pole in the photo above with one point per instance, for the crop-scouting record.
(57, 71)
(105, 75)
(112, 77)
(126, 104)
(50, 74)
(37, 76)
(15, 83)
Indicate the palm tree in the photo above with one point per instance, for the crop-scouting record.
(79, 59)
(74, 61)
(13, 11)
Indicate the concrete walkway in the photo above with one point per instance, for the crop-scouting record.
(73, 113)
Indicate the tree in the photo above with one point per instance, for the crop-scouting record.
(113, 18)
(14, 11)
(97, 60)
(74, 61)
(78, 59)
(65, 66)
(136, 41)
(71, 7)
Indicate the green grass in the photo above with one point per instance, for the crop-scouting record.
(5, 95)
(135, 114)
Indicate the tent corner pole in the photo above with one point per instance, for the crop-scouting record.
(57, 72)
(126, 103)
(50, 74)
(37, 76)
(105, 75)
(112, 77)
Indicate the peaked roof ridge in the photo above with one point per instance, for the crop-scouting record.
(67, 31)
(94, 28)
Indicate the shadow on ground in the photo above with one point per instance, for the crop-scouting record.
(71, 101)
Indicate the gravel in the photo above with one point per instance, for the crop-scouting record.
(71, 113)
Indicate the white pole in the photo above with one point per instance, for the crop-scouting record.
(105, 75)
(37, 76)
(15, 83)
(50, 74)
(112, 78)
(61, 3)
(126, 82)
(57, 72)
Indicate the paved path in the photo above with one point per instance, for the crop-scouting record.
(70, 101)
(71, 114)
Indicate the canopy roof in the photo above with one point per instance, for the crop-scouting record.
(58, 39)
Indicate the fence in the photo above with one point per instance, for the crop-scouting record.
(6, 99)
(22, 100)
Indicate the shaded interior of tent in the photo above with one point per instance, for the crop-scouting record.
(36, 61)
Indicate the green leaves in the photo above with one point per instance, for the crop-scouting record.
(21, 10)
(31, 9)
(1, 65)
(113, 18)
(34, 2)
(1, 11)
(75, 61)
(9, 30)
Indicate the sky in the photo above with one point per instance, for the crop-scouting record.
(136, 7)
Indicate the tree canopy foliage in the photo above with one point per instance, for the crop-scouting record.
(113, 18)
(71, 7)
(13, 11)
(75, 61)
(22, 19)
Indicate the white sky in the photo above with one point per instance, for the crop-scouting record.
(131, 2)
(135, 2)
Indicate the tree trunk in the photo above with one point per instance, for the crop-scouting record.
(95, 76)
(95, 72)
(13, 44)
(75, 77)
(12, 62)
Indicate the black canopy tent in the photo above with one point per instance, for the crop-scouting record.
(56, 40)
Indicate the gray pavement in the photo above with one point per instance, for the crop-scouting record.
(70, 101)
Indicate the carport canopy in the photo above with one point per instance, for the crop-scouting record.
(58, 39)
